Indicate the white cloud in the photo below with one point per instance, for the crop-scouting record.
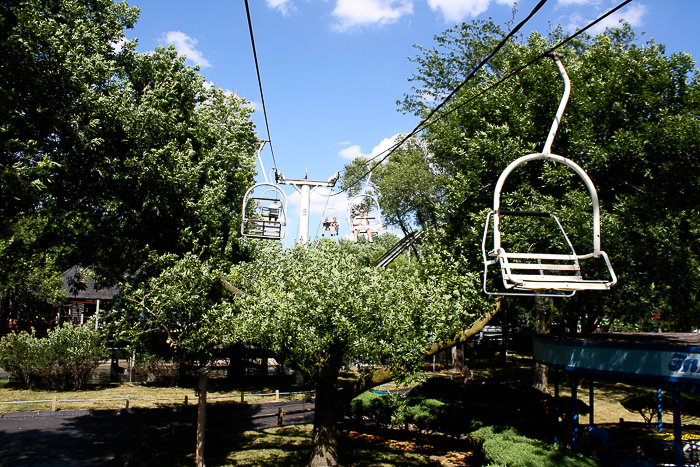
(578, 2)
(283, 6)
(118, 44)
(385, 144)
(359, 13)
(184, 45)
(351, 152)
(633, 15)
(356, 151)
(458, 10)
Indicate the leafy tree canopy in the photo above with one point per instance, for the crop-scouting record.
(631, 124)
(107, 156)
(407, 185)
(317, 306)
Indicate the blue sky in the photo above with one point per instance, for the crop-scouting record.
(332, 70)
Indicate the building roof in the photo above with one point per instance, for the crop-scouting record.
(652, 358)
(80, 286)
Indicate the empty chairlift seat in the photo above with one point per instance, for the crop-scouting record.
(543, 273)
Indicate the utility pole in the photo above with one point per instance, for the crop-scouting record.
(305, 188)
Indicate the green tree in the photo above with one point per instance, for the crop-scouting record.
(173, 311)
(406, 185)
(630, 123)
(315, 317)
(107, 156)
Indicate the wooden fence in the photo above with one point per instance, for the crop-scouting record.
(128, 399)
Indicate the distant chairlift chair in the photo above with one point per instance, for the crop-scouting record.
(264, 215)
(543, 274)
(371, 222)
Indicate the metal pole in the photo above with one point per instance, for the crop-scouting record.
(677, 440)
(591, 418)
(557, 439)
(305, 206)
(658, 408)
(574, 413)
(304, 187)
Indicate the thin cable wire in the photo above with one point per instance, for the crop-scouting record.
(425, 124)
(546, 53)
(257, 69)
(469, 77)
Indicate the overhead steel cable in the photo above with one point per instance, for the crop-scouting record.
(481, 64)
(425, 124)
(257, 69)
(546, 53)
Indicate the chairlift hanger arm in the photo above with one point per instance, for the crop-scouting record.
(262, 167)
(562, 104)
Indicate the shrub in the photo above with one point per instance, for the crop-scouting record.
(505, 447)
(19, 356)
(76, 351)
(433, 415)
(377, 407)
(646, 404)
(425, 415)
(66, 357)
(160, 371)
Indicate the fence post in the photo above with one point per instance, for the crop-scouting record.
(242, 397)
(128, 398)
(277, 395)
(185, 399)
(201, 414)
(53, 404)
(280, 416)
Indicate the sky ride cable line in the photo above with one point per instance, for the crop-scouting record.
(544, 54)
(425, 122)
(257, 69)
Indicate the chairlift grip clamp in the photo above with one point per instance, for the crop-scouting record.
(555, 55)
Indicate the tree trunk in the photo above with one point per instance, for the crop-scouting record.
(543, 307)
(458, 357)
(324, 451)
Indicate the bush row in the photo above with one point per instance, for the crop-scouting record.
(501, 446)
(505, 447)
(65, 359)
(424, 414)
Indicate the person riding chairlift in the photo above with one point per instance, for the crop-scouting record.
(334, 227)
(273, 212)
(326, 226)
(361, 225)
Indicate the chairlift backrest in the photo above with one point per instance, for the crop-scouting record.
(264, 212)
(372, 216)
(546, 274)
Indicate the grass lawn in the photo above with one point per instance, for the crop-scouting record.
(493, 385)
(114, 395)
(289, 447)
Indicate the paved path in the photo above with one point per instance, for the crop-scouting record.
(116, 437)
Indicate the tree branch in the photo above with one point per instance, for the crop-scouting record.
(384, 375)
(231, 288)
